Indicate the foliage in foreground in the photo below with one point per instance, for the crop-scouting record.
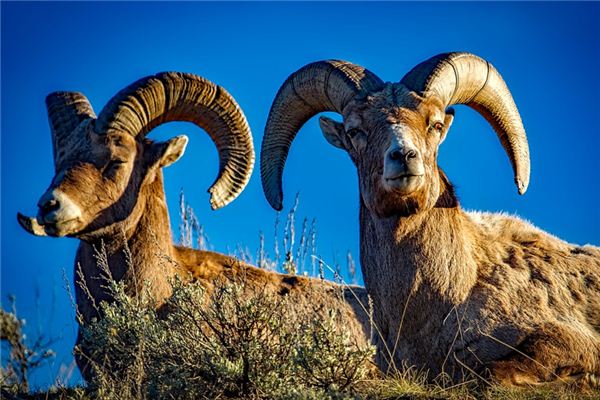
(19, 357)
(240, 342)
(236, 342)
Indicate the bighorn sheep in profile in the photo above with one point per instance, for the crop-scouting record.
(108, 189)
(453, 291)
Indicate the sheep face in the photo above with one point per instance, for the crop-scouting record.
(392, 136)
(98, 181)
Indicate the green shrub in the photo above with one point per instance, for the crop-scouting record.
(236, 342)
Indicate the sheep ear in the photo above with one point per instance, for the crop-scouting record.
(447, 123)
(166, 153)
(333, 131)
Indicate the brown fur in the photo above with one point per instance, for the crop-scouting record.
(460, 292)
(116, 182)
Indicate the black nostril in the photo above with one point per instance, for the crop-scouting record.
(396, 155)
(50, 206)
(410, 154)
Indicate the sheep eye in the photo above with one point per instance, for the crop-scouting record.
(116, 163)
(438, 126)
(113, 165)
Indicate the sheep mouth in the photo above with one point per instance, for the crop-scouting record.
(54, 229)
(405, 183)
(62, 228)
(402, 177)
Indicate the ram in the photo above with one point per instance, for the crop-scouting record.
(453, 291)
(108, 192)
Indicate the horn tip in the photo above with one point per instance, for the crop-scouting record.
(276, 203)
(521, 186)
(214, 203)
(22, 219)
(218, 200)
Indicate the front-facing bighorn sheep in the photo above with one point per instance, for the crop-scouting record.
(453, 291)
(108, 192)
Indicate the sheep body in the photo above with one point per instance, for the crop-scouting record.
(155, 261)
(108, 192)
(454, 292)
(480, 290)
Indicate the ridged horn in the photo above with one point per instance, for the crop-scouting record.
(174, 96)
(317, 87)
(66, 110)
(464, 78)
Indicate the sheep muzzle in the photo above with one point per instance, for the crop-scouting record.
(57, 216)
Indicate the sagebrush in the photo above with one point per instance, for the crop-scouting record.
(234, 342)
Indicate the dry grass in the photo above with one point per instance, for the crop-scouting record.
(19, 355)
(239, 342)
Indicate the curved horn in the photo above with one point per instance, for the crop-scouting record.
(31, 225)
(317, 87)
(464, 78)
(66, 110)
(173, 96)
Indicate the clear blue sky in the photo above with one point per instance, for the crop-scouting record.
(548, 53)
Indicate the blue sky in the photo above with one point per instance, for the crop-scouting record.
(548, 53)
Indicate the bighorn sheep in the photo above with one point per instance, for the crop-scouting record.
(108, 189)
(453, 291)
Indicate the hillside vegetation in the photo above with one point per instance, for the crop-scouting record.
(234, 342)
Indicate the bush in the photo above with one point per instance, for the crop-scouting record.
(235, 342)
(19, 357)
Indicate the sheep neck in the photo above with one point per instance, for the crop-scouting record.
(418, 268)
(146, 238)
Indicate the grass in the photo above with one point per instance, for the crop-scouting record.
(245, 343)
(236, 342)
(19, 355)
